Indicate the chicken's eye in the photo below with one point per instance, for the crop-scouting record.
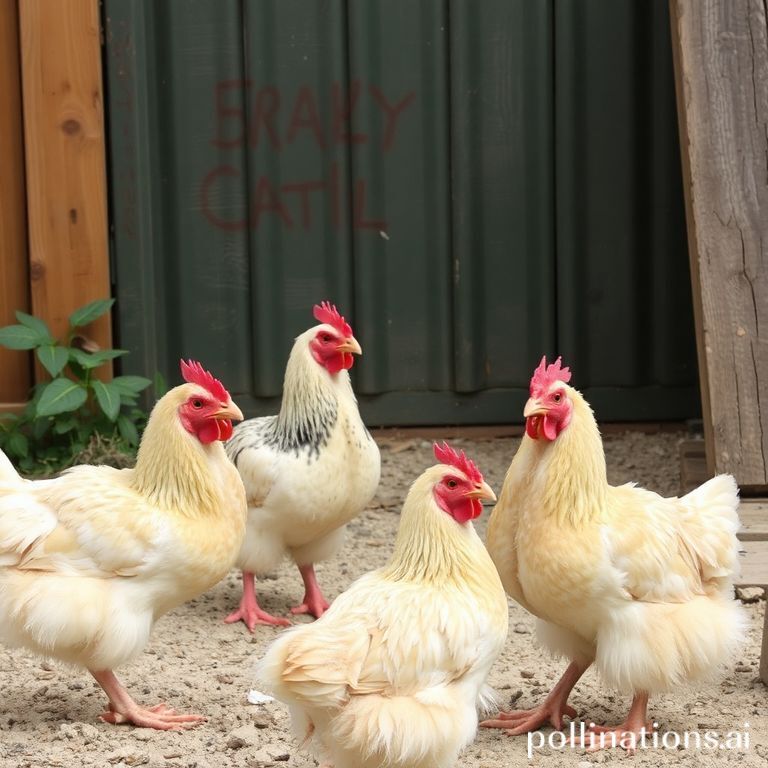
(557, 397)
(451, 483)
(327, 337)
(197, 403)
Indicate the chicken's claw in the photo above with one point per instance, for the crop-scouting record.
(161, 717)
(312, 605)
(253, 615)
(527, 720)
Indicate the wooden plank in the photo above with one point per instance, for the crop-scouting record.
(764, 651)
(65, 154)
(15, 367)
(753, 514)
(754, 564)
(721, 65)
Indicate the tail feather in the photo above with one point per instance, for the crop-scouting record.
(710, 524)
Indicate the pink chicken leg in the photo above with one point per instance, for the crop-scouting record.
(626, 735)
(314, 602)
(249, 612)
(551, 710)
(123, 709)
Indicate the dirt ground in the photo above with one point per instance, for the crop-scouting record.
(48, 713)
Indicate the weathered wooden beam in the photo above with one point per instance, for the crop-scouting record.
(721, 65)
(15, 367)
(65, 159)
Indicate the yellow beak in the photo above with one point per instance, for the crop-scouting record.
(482, 491)
(229, 411)
(350, 345)
(533, 408)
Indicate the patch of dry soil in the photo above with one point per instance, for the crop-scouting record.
(48, 713)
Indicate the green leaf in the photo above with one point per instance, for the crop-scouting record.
(18, 445)
(62, 426)
(90, 312)
(53, 358)
(95, 359)
(108, 397)
(20, 337)
(35, 324)
(61, 396)
(40, 427)
(128, 430)
(130, 385)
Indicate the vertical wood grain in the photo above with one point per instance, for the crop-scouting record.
(721, 62)
(65, 156)
(15, 366)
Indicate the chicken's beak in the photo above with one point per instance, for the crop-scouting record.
(350, 345)
(229, 411)
(533, 407)
(482, 491)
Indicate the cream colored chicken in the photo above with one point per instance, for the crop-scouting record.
(308, 470)
(639, 585)
(91, 559)
(392, 674)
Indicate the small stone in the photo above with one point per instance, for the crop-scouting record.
(225, 679)
(262, 720)
(750, 594)
(235, 742)
(521, 629)
(526, 674)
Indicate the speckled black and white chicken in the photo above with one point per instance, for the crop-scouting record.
(308, 470)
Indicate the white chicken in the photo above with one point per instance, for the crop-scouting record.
(91, 559)
(392, 674)
(308, 470)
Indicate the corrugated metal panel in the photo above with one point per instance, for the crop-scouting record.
(625, 319)
(398, 54)
(473, 183)
(503, 206)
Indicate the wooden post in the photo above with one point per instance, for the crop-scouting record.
(721, 69)
(15, 366)
(65, 155)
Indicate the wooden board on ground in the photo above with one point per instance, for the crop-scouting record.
(721, 68)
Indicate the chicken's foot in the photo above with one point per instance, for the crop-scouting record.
(550, 711)
(123, 709)
(249, 611)
(313, 602)
(627, 735)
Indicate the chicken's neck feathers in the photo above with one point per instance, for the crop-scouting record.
(311, 402)
(175, 471)
(431, 547)
(567, 477)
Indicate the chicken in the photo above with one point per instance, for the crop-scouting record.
(638, 584)
(89, 560)
(308, 470)
(391, 675)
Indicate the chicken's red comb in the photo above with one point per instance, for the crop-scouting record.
(194, 373)
(327, 313)
(545, 375)
(447, 455)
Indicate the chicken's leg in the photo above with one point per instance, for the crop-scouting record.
(313, 602)
(249, 612)
(627, 735)
(550, 711)
(123, 709)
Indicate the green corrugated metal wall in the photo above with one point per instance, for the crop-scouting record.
(473, 183)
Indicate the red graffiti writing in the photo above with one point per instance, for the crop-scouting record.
(292, 203)
(253, 117)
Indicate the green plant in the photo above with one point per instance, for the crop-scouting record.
(64, 414)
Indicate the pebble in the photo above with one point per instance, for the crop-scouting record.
(526, 674)
(521, 629)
